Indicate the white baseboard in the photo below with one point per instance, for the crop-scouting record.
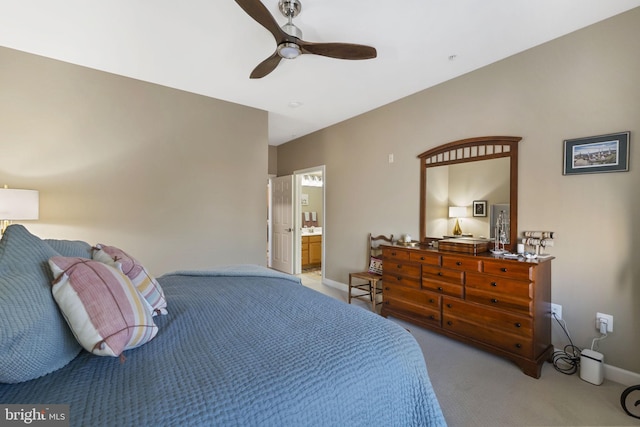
(621, 376)
(337, 285)
(611, 373)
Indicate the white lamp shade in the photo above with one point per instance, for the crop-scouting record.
(18, 204)
(457, 212)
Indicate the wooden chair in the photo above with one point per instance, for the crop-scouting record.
(373, 275)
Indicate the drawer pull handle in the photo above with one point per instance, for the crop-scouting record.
(449, 323)
(503, 269)
(393, 254)
(494, 284)
(399, 265)
(421, 258)
(431, 300)
(518, 325)
(439, 273)
(440, 288)
(432, 317)
(449, 305)
(398, 278)
(458, 263)
(387, 288)
(494, 301)
(518, 345)
(386, 302)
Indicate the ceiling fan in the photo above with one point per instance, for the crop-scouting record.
(289, 38)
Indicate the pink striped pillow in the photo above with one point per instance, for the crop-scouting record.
(102, 307)
(146, 284)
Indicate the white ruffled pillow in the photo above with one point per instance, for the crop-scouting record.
(103, 308)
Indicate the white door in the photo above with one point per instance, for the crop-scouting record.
(282, 223)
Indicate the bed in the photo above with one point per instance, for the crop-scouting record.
(238, 346)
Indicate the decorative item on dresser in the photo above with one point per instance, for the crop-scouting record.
(499, 305)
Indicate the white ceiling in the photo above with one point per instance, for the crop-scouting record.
(209, 47)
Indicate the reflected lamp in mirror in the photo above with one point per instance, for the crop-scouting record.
(17, 205)
(457, 212)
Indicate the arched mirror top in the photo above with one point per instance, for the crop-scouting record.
(482, 150)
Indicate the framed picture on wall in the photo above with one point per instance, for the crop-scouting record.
(596, 154)
(479, 208)
(304, 199)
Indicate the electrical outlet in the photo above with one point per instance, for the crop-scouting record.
(607, 318)
(556, 309)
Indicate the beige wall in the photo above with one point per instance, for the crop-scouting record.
(580, 85)
(315, 202)
(273, 160)
(178, 180)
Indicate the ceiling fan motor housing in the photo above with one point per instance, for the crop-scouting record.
(290, 8)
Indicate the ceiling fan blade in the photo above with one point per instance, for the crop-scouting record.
(259, 12)
(339, 50)
(266, 66)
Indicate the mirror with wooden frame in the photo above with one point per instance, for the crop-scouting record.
(478, 177)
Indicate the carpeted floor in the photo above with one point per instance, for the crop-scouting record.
(476, 388)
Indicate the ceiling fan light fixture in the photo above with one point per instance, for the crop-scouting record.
(289, 50)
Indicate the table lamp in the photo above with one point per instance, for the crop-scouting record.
(17, 205)
(457, 212)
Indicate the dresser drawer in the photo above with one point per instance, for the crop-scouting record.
(443, 288)
(499, 285)
(426, 313)
(512, 343)
(395, 254)
(500, 301)
(467, 264)
(442, 274)
(512, 269)
(425, 258)
(512, 323)
(428, 299)
(395, 268)
(400, 280)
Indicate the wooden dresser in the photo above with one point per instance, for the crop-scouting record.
(499, 305)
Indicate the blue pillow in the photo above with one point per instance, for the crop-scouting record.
(34, 337)
(70, 248)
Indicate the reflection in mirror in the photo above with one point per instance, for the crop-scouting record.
(479, 175)
(459, 185)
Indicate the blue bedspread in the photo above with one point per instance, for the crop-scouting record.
(249, 350)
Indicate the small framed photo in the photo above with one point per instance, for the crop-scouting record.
(479, 208)
(597, 154)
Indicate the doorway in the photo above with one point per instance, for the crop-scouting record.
(310, 219)
(306, 208)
